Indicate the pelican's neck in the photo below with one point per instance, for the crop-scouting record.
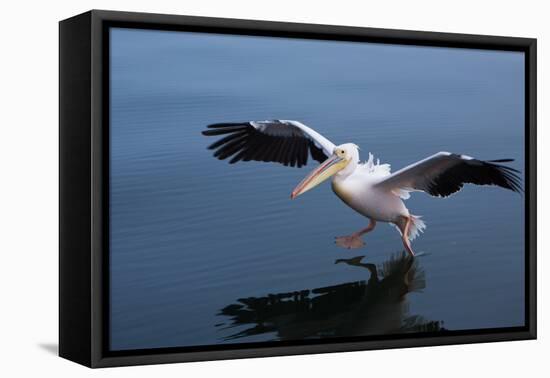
(348, 170)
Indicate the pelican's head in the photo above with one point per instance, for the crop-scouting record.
(344, 159)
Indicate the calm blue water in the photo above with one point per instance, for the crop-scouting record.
(204, 253)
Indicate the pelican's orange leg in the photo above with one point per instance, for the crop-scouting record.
(354, 240)
(405, 236)
(367, 229)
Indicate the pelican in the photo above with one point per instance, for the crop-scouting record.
(369, 188)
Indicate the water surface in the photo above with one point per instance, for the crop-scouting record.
(191, 236)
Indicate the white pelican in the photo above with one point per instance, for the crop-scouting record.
(368, 188)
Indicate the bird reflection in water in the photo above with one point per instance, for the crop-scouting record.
(373, 307)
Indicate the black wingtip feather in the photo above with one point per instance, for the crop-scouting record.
(509, 177)
(274, 141)
(477, 172)
(223, 131)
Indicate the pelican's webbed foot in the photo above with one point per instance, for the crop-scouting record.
(352, 241)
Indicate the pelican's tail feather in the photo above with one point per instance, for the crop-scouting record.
(417, 227)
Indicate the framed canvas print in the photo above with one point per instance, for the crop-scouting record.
(234, 188)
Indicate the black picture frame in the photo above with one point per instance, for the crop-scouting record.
(84, 189)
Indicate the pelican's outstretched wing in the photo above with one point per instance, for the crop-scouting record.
(445, 173)
(285, 142)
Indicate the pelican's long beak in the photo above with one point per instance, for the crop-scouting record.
(328, 168)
